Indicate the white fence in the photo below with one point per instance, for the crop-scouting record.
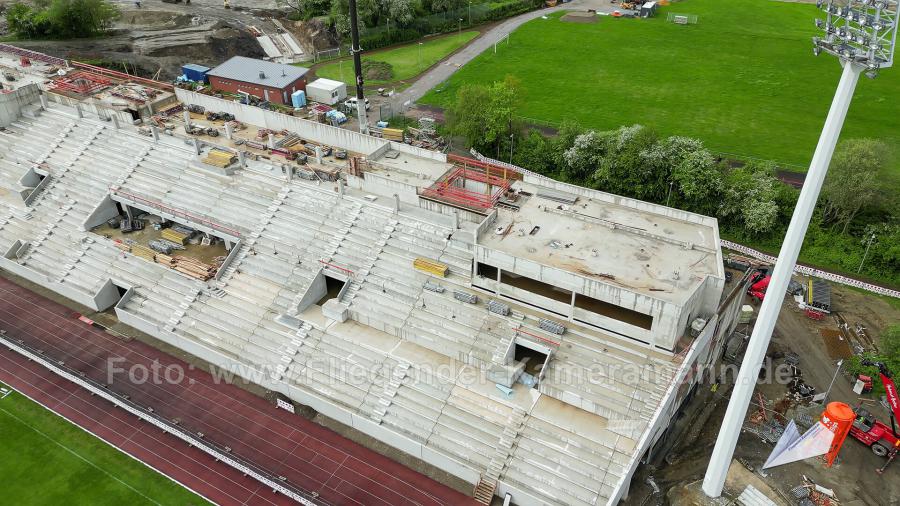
(799, 269)
(809, 271)
(220, 455)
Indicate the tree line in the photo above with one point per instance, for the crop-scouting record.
(60, 19)
(857, 209)
(386, 22)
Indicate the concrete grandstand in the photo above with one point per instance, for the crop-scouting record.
(530, 337)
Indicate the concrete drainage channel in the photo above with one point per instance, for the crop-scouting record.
(224, 455)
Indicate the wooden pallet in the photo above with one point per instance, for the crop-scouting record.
(431, 267)
(176, 237)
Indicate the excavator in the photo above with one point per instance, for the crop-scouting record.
(881, 438)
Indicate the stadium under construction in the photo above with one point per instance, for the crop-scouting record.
(530, 337)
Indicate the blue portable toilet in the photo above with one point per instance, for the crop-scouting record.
(298, 99)
(194, 72)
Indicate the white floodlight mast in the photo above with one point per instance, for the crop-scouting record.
(862, 34)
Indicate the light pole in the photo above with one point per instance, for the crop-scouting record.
(836, 371)
(470, 12)
(459, 28)
(511, 140)
(420, 55)
(669, 194)
(862, 34)
(868, 245)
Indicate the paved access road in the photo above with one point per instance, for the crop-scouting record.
(308, 455)
(446, 68)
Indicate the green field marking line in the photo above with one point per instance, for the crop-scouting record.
(91, 434)
(78, 455)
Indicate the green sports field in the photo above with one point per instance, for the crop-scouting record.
(44, 459)
(743, 79)
(407, 61)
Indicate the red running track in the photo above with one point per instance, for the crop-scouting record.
(310, 456)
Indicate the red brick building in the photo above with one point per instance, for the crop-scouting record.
(266, 80)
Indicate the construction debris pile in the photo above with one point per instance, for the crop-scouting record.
(426, 136)
(812, 494)
(160, 250)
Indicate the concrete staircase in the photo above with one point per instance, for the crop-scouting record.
(390, 391)
(484, 491)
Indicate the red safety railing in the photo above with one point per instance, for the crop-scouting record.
(452, 187)
(337, 267)
(176, 212)
(123, 76)
(33, 55)
(539, 338)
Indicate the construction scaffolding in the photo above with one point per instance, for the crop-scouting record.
(479, 187)
(81, 83)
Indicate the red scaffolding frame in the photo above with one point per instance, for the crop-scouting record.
(81, 82)
(451, 187)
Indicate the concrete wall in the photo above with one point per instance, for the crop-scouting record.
(420, 152)
(63, 289)
(373, 182)
(666, 316)
(11, 104)
(622, 201)
(317, 132)
(704, 351)
(317, 289)
(105, 211)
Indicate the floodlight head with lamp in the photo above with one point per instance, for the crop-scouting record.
(861, 32)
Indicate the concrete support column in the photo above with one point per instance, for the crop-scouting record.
(288, 172)
(197, 146)
(155, 131)
(455, 220)
(228, 244)
(229, 131)
(78, 110)
(45, 104)
(187, 122)
(115, 120)
(340, 188)
(242, 159)
(396, 203)
(271, 141)
(319, 155)
(128, 212)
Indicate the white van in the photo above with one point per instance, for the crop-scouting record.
(351, 103)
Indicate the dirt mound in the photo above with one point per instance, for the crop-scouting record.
(314, 34)
(580, 17)
(377, 71)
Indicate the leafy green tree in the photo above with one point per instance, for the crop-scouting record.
(750, 197)
(693, 174)
(584, 156)
(467, 116)
(484, 115)
(61, 18)
(445, 5)
(401, 12)
(853, 181)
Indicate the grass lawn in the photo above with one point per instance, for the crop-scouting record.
(744, 79)
(407, 61)
(44, 459)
